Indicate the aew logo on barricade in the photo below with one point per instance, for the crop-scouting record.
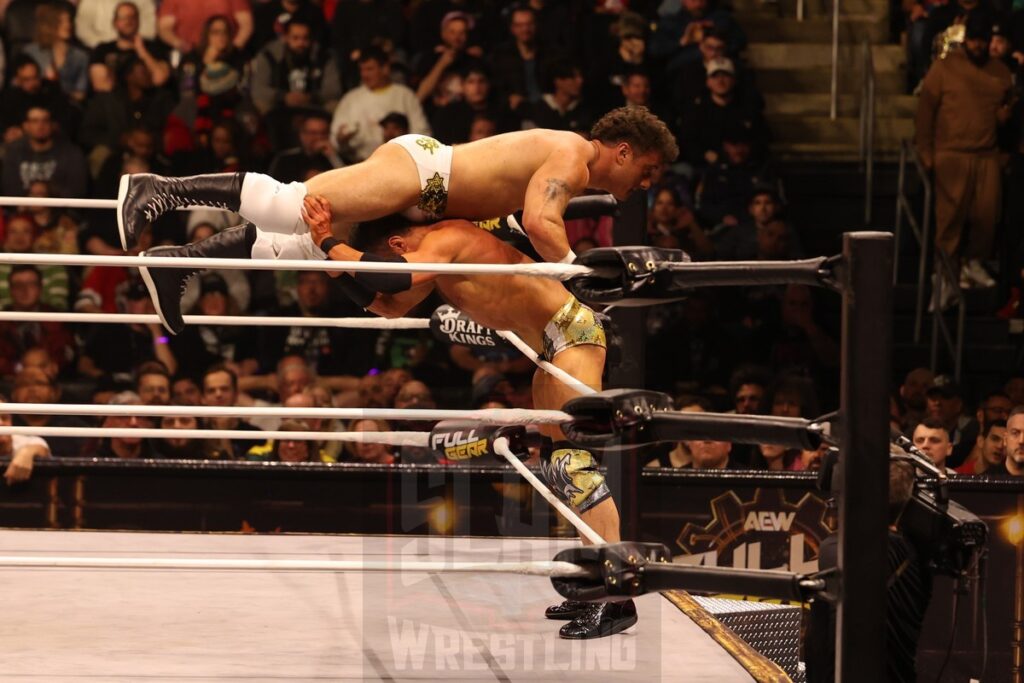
(450, 326)
(459, 444)
(767, 532)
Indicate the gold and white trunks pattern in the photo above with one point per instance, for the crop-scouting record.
(573, 325)
(434, 164)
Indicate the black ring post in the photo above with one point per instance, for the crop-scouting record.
(624, 469)
(864, 455)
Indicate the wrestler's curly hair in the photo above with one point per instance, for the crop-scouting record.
(644, 131)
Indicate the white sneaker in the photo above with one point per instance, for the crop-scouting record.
(976, 273)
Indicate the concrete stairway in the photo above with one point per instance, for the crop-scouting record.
(792, 60)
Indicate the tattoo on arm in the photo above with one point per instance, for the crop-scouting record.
(557, 189)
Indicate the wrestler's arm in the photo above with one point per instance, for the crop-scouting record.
(559, 179)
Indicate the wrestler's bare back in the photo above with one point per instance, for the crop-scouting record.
(489, 177)
(521, 303)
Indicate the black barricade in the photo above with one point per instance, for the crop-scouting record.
(735, 519)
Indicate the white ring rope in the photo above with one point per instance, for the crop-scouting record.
(373, 323)
(552, 369)
(493, 416)
(555, 271)
(502, 449)
(546, 568)
(415, 439)
(62, 202)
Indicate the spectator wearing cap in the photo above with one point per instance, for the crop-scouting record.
(562, 106)
(728, 182)
(125, 447)
(453, 123)
(19, 238)
(964, 99)
(944, 404)
(691, 81)
(41, 153)
(761, 236)
(53, 50)
(313, 155)
(678, 34)
(125, 41)
(671, 216)
(25, 284)
(115, 350)
(93, 26)
(21, 449)
(709, 115)
(610, 53)
(454, 54)
(181, 23)
(355, 127)
(34, 385)
(291, 76)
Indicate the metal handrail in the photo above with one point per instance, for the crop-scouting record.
(867, 128)
(945, 274)
(834, 91)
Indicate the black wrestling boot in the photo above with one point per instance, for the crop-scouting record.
(167, 285)
(569, 609)
(600, 619)
(144, 197)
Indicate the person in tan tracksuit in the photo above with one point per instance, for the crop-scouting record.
(964, 99)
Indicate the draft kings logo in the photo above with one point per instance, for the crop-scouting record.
(766, 532)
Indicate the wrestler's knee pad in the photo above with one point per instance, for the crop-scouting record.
(573, 474)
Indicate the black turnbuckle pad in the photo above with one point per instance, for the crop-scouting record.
(617, 570)
(615, 419)
(457, 440)
(629, 276)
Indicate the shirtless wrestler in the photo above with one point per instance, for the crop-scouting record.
(540, 311)
(536, 170)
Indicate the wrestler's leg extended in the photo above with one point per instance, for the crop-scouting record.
(573, 473)
(597, 509)
(387, 182)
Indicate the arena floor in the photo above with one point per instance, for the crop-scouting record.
(160, 625)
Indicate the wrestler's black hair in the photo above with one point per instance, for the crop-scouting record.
(373, 235)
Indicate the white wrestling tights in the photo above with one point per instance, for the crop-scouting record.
(273, 245)
(272, 205)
